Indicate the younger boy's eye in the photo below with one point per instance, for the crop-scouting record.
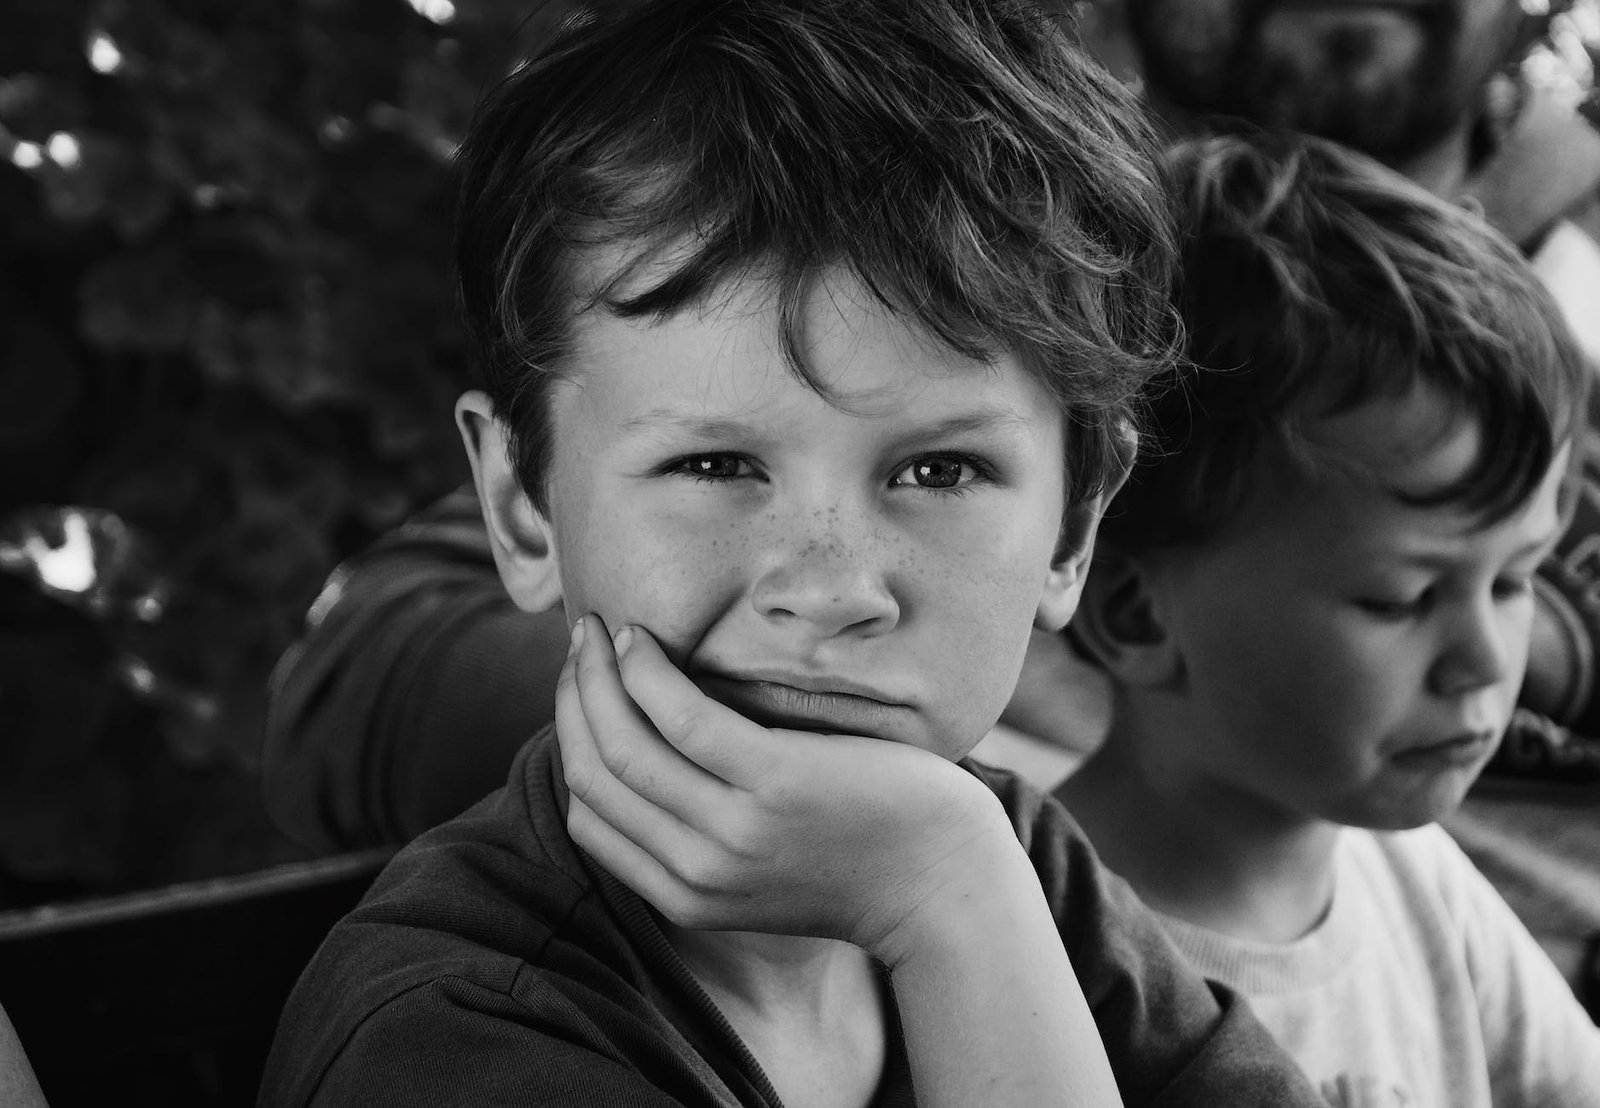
(1396, 607)
(938, 471)
(1510, 588)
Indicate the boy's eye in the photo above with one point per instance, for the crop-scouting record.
(713, 467)
(938, 471)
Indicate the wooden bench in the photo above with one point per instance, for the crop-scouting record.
(169, 996)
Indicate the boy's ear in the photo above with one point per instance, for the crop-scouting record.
(1119, 624)
(1075, 546)
(519, 535)
(1063, 588)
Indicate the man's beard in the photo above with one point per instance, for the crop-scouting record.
(1328, 85)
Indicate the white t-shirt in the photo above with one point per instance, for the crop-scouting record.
(1420, 988)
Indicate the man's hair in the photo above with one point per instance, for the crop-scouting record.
(963, 160)
(1314, 281)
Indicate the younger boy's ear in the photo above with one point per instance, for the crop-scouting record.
(519, 535)
(1119, 624)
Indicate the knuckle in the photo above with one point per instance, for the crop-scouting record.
(684, 720)
(619, 758)
(580, 773)
(701, 875)
(686, 912)
(567, 678)
(579, 822)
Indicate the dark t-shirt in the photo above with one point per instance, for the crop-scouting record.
(493, 963)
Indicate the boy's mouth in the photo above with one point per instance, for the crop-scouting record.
(1458, 751)
(822, 705)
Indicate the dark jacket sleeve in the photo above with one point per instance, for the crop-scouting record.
(1172, 1037)
(414, 684)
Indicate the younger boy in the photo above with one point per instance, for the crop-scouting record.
(1313, 600)
(809, 333)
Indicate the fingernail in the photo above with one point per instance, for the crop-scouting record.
(577, 636)
(622, 640)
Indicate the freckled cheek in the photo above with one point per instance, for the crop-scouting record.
(989, 602)
(673, 579)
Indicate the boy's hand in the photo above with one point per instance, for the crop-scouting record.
(722, 823)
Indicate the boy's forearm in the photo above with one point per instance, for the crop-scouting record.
(990, 1007)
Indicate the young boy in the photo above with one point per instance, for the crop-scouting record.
(809, 333)
(1313, 600)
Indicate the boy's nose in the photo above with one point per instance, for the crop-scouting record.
(1479, 651)
(830, 584)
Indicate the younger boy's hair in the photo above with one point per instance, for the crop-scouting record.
(1314, 281)
(962, 159)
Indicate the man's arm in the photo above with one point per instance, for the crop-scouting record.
(413, 686)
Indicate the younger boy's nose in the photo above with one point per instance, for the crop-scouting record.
(830, 585)
(1479, 651)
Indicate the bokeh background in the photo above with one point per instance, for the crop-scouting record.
(228, 353)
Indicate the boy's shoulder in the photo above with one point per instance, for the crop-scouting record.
(1415, 949)
(1412, 891)
(488, 921)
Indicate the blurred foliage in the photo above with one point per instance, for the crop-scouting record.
(228, 354)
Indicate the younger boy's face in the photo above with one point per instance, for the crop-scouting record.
(869, 564)
(1351, 658)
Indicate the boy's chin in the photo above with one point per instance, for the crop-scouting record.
(1411, 811)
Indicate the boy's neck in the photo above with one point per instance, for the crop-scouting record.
(781, 977)
(792, 1000)
(1217, 858)
(767, 971)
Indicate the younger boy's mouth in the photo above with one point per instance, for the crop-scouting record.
(1458, 751)
(822, 706)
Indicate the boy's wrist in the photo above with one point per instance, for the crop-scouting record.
(970, 891)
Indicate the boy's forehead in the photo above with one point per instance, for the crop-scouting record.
(1355, 464)
(839, 328)
(1413, 445)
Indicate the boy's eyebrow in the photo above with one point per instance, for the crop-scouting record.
(665, 419)
(1544, 542)
(989, 417)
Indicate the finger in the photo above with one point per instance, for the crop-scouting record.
(628, 744)
(632, 863)
(709, 734)
(591, 783)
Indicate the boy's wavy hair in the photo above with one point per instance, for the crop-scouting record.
(1314, 281)
(962, 159)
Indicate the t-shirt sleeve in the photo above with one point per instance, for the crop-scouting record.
(1172, 1037)
(1543, 1049)
(413, 686)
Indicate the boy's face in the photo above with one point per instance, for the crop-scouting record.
(869, 565)
(1348, 657)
